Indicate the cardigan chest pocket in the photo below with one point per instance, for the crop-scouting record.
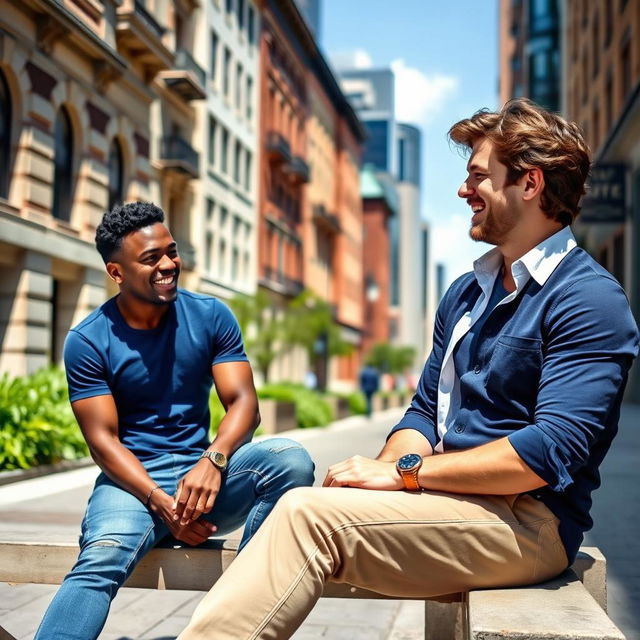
(514, 369)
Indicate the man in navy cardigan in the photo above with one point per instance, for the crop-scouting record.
(487, 479)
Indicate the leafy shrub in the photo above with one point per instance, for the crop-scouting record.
(357, 402)
(311, 409)
(37, 425)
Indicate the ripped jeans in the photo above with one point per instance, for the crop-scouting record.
(118, 530)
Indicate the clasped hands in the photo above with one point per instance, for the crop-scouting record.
(195, 495)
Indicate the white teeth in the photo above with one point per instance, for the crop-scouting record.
(477, 208)
(164, 280)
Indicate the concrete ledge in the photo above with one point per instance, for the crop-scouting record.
(561, 609)
(277, 416)
(18, 475)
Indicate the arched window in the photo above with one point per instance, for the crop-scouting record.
(5, 136)
(63, 173)
(116, 179)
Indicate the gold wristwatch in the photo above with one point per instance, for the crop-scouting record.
(217, 459)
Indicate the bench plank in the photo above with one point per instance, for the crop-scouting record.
(561, 609)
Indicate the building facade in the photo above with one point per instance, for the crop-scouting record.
(224, 217)
(598, 86)
(87, 121)
(310, 216)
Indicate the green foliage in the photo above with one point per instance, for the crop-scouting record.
(262, 330)
(311, 409)
(310, 319)
(357, 403)
(217, 412)
(390, 359)
(37, 425)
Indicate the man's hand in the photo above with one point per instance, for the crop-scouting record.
(193, 533)
(364, 473)
(196, 492)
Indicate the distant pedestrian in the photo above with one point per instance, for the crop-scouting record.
(369, 384)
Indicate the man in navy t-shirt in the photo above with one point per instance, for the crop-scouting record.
(140, 369)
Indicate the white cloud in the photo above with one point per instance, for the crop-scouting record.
(419, 97)
(451, 245)
(356, 59)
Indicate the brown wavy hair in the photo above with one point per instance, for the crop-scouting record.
(525, 135)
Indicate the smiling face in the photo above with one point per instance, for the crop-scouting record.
(147, 265)
(496, 208)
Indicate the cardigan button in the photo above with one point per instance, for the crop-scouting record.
(477, 368)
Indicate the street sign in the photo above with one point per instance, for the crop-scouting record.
(605, 201)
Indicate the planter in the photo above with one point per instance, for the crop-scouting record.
(277, 416)
(339, 406)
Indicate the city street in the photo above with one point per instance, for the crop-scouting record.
(51, 508)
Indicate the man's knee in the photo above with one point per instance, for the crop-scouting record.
(291, 460)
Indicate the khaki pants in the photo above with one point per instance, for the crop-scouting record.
(392, 542)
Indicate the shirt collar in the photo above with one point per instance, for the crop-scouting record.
(538, 263)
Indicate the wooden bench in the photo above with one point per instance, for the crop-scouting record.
(573, 606)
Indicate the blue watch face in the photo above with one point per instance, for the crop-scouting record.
(409, 461)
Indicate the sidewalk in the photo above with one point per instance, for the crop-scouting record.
(52, 507)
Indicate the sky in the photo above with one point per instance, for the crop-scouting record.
(445, 58)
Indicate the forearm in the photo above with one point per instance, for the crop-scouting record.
(490, 469)
(402, 442)
(237, 426)
(122, 466)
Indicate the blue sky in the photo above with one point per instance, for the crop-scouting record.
(445, 56)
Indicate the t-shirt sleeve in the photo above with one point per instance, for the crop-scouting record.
(228, 345)
(86, 375)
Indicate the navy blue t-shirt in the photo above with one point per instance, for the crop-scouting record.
(159, 378)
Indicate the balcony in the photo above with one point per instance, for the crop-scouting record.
(277, 281)
(176, 154)
(278, 150)
(297, 170)
(325, 220)
(187, 78)
(140, 36)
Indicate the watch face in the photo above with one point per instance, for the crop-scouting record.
(220, 460)
(409, 461)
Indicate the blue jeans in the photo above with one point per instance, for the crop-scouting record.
(118, 530)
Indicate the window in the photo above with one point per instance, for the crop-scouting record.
(249, 98)
(224, 151)
(596, 126)
(625, 67)
(247, 170)
(608, 27)
(213, 126)
(229, 6)
(236, 162)
(214, 56)
(240, 14)
(5, 137)
(251, 25)
(222, 258)
(116, 177)
(235, 262)
(238, 85)
(596, 44)
(608, 97)
(63, 167)
(208, 250)
(226, 72)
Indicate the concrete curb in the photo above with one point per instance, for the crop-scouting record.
(18, 475)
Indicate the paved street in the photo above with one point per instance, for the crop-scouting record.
(39, 509)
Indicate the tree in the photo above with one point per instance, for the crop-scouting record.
(261, 328)
(391, 359)
(309, 323)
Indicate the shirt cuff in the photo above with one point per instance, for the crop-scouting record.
(543, 456)
(425, 428)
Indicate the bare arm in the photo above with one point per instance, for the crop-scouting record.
(98, 420)
(493, 468)
(199, 488)
(490, 469)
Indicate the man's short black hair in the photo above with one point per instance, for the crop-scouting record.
(122, 220)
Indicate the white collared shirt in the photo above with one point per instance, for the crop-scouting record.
(538, 263)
